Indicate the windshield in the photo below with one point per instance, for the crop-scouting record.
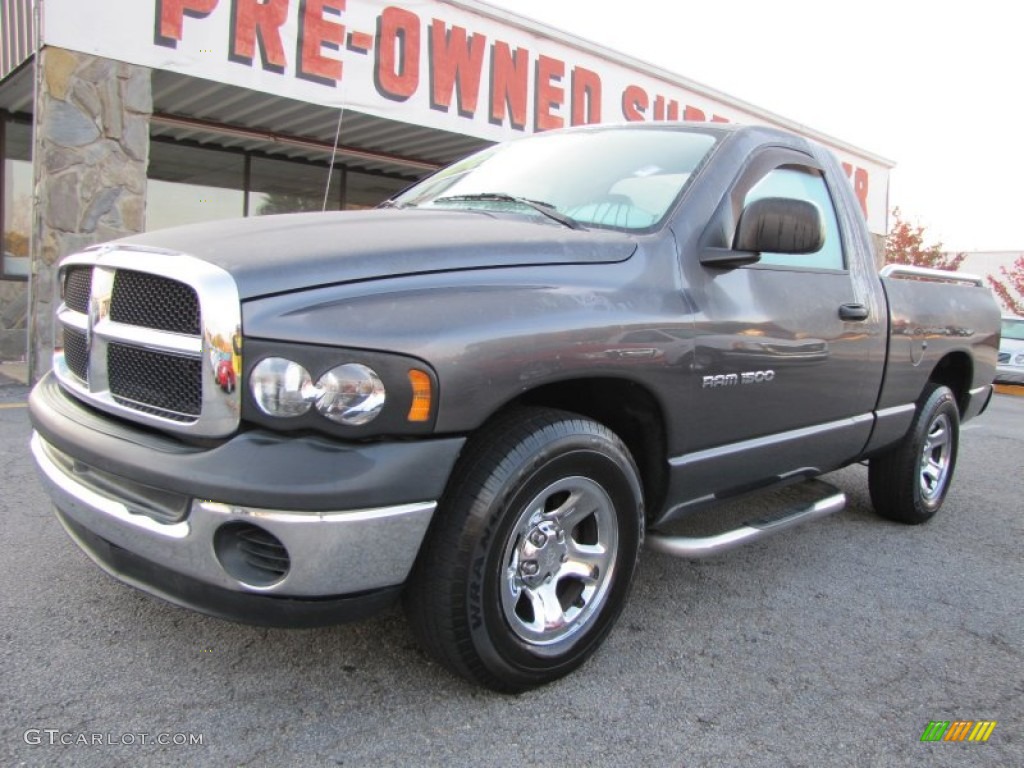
(618, 178)
(1013, 329)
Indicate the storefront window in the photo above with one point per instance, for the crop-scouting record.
(279, 186)
(189, 184)
(15, 226)
(16, 202)
(366, 190)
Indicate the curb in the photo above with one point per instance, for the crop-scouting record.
(1016, 390)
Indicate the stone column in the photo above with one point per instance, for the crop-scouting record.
(90, 155)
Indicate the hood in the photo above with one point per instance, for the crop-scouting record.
(278, 254)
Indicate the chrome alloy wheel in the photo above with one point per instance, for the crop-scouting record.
(558, 563)
(936, 456)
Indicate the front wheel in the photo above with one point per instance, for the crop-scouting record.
(532, 552)
(909, 482)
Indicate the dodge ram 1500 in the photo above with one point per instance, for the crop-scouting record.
(485, 395)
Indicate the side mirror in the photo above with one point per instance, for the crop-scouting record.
(780, 225)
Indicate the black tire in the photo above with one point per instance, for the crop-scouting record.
(498, 555)
(909, 482)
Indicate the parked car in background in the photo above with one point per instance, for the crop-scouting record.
(1010, 369)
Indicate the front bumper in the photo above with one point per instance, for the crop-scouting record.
(152, 530)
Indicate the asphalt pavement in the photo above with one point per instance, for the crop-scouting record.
(833, 644)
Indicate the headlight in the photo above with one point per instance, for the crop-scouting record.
(282, 387)
(1019, 359)
(350, 394)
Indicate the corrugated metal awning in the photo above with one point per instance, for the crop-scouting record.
(206, 112)
(17, 34)
(209, 113)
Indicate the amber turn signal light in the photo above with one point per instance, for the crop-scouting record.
(419, 411)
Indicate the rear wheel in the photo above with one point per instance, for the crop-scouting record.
(532, 553)
(909, 482)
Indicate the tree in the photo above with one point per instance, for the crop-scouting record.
(1011, 292)
(905, 245)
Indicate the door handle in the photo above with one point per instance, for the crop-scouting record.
(853, 312)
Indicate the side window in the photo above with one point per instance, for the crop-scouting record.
(802, 184)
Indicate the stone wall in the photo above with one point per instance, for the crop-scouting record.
(13, 312)
(90, 157)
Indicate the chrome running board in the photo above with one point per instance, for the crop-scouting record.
(827, 500)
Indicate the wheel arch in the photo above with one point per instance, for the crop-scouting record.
(955, 370)
(628, 409)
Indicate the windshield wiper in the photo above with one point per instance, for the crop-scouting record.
(392, 204)
(545, 209)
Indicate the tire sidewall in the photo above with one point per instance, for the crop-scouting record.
(595, 457)
(941, 401)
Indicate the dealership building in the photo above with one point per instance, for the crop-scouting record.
(119, 116)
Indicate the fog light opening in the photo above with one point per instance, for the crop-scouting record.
(251, 555)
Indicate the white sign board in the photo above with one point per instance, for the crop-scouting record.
(425, 62)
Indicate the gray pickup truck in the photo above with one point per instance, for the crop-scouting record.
(486, 395)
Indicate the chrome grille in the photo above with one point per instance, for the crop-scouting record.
(168, 384)
(145, 335)
(76, 352)
(151, 301)
(77, 286)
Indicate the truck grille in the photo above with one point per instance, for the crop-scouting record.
(77, 287)
(137, 341)
(156, 302)
(76, 352)
(166, 385)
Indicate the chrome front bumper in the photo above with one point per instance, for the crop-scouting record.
(330, 554)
